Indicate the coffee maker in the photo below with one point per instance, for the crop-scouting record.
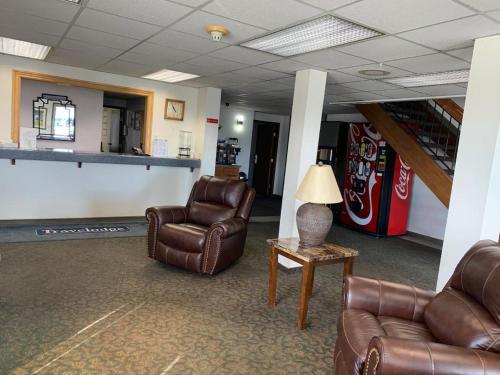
(227, 150)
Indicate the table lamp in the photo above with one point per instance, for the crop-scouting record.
(314, 218)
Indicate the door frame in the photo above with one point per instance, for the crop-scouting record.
(18, 76)
(275, 156)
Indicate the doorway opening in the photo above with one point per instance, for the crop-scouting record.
(266, 148)
(122, 122)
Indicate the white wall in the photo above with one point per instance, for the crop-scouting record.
(167, 129)
(244, 134)
(279, 174)
(47, 190)
(88, 113)
(427, 214)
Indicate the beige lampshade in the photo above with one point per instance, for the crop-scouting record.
(319, 186)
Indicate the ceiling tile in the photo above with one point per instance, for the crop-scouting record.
(158, 52)
(385, 48)
(330, 59)
(495, 15)
(190, 3)
(442, 90)
(51, 9)
(366, 96)
(141, 59)
(267, 87)
(197, 23)
(394, 72)
(401, 15)
(20, 21)
(244, 55)
(437, 62)
(454, 34)
(127, 68)
(232, 77)
(76, 58)
(287, 66)
(399, 93)
(369, 85)
(90, 48)
(337, 98)
(116, 25)
(211, 65)
(482, 5)
(288, 81)
(339, 90)
(328, 4)
(260, 73)
(100, 38)
(462, 53)
(339, 77)
(188, 42)
(157, 12)
(262, 13)
(21, 33)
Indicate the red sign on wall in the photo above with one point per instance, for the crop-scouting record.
(211, 120)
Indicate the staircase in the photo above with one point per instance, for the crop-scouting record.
(431, 126)
(425, 133)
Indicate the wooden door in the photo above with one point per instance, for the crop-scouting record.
(265, 156)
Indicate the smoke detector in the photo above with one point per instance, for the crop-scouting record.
(217, 32)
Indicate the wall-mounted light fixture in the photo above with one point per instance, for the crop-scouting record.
(239, 126)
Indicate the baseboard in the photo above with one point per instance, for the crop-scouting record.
(88, 220)
(422, 239)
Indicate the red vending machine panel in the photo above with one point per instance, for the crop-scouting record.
(376, 184)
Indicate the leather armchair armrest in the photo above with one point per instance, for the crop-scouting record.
(167, 214)
(230, 227)
(393, 356)
(386, 298)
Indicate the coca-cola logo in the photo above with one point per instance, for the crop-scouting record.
(402, 186)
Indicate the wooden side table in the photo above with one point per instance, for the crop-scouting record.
(309, 257)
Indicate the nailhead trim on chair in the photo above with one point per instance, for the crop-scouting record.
(153, 222)
(217, 232)
(367, 363)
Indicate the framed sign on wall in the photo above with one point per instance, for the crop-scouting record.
(174, 109)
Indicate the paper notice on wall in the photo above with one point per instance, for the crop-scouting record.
(27, 138)
(160, 148)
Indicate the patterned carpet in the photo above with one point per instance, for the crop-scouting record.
(101, 306)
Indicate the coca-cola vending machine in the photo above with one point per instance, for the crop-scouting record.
(377, 184)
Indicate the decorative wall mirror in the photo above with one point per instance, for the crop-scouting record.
(54, 117)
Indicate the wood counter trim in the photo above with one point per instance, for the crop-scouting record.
(18, 76)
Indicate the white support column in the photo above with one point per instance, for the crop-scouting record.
(474, 212)
(305, 124)
(206, 140)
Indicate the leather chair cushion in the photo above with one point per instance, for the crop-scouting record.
(219, 190)
(455, 318)
(356, 328)
(186, 236)
(478, 275)
(206, 214)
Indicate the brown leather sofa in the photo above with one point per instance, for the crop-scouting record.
(393, 329)
(208, 234)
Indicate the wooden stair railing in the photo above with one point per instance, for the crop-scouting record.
(437, 180)
(452, 108)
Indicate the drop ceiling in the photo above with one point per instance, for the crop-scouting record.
(135, 38)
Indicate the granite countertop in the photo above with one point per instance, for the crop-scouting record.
(90, 157)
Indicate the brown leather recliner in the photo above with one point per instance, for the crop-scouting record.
(208, 234)
(393, 329)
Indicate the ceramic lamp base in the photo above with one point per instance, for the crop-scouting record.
(313, 222)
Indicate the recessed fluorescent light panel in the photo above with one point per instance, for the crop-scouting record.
(456, 76)
(170, 76)
(24, 49)
(323, 32)
(73, 1)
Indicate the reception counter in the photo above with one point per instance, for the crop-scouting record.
(52, 184)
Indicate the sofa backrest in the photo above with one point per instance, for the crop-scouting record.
(467, 312)
(215, 199)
